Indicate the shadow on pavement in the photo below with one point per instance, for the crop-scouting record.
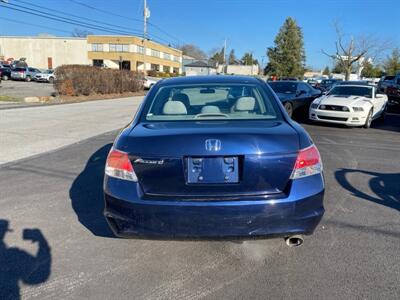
(386, 187)
(86, 194)
(17, 265)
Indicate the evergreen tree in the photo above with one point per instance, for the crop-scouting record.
(287, 58)
(232, 58)
(370, 71)
(218, 57)
(326, 71)
(248, 59)
(392, 63)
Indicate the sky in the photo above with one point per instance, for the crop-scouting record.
(248, 25)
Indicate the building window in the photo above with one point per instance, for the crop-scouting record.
(140, 49)
(97, 47)
(167, 56)
(155, 67)
(155, 53)
(176, 58)
(119, 48)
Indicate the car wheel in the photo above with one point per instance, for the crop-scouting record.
(28, 78)
(289, 108)
(5, 77)
(382, 117)
(368, 121)
(51, 80)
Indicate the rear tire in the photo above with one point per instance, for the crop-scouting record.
(368, 121)
(382, 117)
(289, 108)
(28, 78)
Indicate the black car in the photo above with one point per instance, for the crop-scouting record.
(295, 95)
(5, 73)
(327, 84)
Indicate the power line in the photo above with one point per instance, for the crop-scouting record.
(31, 24)
(58, 18)
(127, 18)
(72, 15)
(63, 19)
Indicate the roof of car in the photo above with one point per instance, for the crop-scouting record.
(364, 83)
(209, 79)
(285, 81)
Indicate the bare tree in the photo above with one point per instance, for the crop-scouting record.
(82, 33)
(351, 51)
(193, 51)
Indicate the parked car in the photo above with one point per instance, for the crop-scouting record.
(393, 90)
(5, 72)
(327, 84)
(295, 95)
(148, 82)
(46, 76)
(26, 74)
(196, 161)
(385, 82)
(350, 104)
(313, 82)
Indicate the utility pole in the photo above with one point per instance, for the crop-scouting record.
(224, 66)
(146, 15)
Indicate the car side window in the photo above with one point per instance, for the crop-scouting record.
(303, 87)
(31, 69)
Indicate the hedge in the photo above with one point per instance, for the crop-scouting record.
(76, 80)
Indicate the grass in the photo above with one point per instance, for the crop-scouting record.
(10, 98)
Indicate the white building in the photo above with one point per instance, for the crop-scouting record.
(239, 69)
(198, 68)
(45, 52)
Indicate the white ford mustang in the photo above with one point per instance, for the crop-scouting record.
(349, 104)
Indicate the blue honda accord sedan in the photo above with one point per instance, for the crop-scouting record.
(213, 156)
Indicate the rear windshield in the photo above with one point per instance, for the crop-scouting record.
(388, 78)
(344, 90)
(211, 102)
(284, 87)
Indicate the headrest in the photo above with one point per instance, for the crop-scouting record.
(210, 109)
(174, 108)
(245, 104)
(182, 98)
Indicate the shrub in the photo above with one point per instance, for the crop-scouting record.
(76, 80)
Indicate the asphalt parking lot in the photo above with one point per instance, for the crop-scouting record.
(354, 253)
(22, 89)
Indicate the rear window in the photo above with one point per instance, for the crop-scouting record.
(211, 102)
(388, 78)
(284, 87)
(344, 90)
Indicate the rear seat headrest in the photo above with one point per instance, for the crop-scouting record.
(245, 104)
(174, 108)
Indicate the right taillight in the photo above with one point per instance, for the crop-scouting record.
(119, 166)
(308, 163)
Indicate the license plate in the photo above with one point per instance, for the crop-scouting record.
(209, 170)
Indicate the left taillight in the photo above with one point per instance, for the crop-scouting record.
(308, 163)
(119, 166)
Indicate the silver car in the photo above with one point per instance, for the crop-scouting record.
(26, 74)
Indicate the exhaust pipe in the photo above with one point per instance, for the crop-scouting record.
(294, 240)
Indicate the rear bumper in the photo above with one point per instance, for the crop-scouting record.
(300, 212)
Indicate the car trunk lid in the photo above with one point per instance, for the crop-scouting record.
(262, 154)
